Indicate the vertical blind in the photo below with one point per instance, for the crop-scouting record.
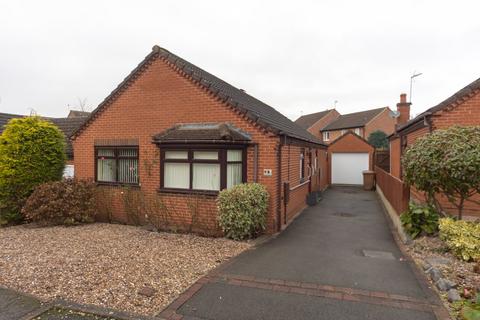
(176, 175)
(202, 169)
(117, 165)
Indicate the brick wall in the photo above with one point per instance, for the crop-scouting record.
(395, 156)
(157, 99)
(315, 180)
(335, 134)
(382, 121)
(465, 114)
(320, 124)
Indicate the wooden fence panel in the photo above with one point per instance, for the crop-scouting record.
(396, 192)
(382, 159)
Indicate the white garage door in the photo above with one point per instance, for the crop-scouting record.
(347, 167)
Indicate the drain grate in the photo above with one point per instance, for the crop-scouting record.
(344, 214)
(378, 254)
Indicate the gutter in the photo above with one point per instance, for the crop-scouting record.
(279, 183)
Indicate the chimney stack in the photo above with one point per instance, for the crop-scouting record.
(403, 107)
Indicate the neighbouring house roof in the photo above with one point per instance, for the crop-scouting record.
(353, 120)
(308, 120)
(256, 110)
(343, 136)
(5, 117)
(77, 114)
(202, 133)
(459, 95)
(66, 125)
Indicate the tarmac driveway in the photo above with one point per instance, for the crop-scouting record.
(338, 260)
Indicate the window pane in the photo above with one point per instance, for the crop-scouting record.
(128, 170)
(234, 155)
(106, 153)
(68, 171)
(206, 176)
(205, 155)
(234, 174)
(127, 152)
(176, 175)
(176, 155)
(106, 170)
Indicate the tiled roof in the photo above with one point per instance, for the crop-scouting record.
(5, 117)
(308, 120)
(471, 88)
(78, 113)
(263, 114)
(67, 125)
(353, 120)
(202, 132)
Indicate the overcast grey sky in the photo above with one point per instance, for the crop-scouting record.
(297, 56)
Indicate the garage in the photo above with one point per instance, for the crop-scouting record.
(347, 167)
(348, 156)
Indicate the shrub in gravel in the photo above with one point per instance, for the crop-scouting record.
(461, 237)
(243, 210)
(419, 219)
(65, 202)
(32, 152)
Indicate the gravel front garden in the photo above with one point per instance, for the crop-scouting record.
(431, 252)
(115, 266)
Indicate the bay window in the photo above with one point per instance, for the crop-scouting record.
(207, 170)
(116, 165)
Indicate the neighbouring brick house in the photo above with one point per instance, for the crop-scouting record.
(315, 122)
(68, 125)
(462, 108)
(363, 123)
(328, 125)
(176, 135)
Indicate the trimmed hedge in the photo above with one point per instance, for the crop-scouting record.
(32, 152)
(65, 202)
(243, 210)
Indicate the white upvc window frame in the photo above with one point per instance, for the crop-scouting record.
(326, 135)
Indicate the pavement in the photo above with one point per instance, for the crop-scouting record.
(14, 306)
(338, 260)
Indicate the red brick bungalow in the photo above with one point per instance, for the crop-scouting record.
(177, 133)
(462, 108)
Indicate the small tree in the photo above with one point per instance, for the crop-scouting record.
(32, 152)
(378, 139)
(445, 162)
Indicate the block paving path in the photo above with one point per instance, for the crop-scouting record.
(338, 260)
